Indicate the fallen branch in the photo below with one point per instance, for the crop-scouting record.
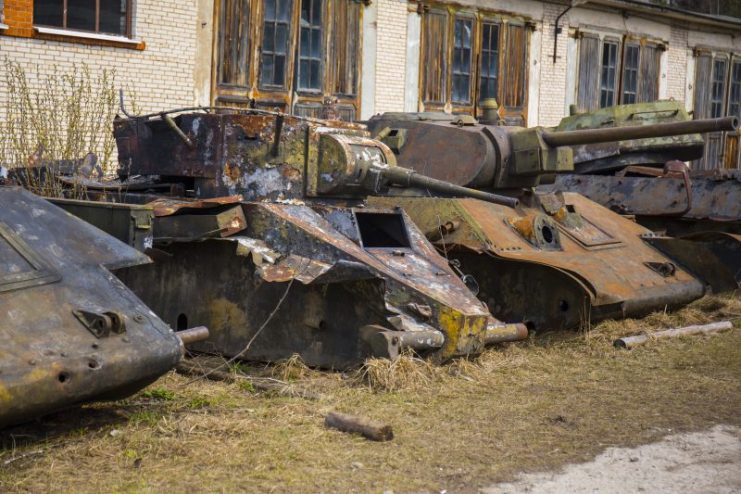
(356, 425)
(629, 342)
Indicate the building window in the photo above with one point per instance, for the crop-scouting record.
(462, 60)
(98, 16)
(609, 74)
(630, 74)
(717, 94)
(489, 80)
(605, 78)
(310, 46)
(275, 43)
(468, 57)
(304, 53)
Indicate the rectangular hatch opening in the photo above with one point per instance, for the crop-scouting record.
(382, 230)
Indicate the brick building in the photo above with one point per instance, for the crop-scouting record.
(537, 58)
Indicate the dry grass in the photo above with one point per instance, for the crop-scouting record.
(531, 406)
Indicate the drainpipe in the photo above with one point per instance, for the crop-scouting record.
(574, 3)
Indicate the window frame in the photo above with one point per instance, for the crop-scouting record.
(289, 98)
(130, 7)
(625, 75)
(481, 20)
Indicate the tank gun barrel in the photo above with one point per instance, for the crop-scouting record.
(405, 177)
(596, 136)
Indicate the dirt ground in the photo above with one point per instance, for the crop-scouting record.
(698, 462)
(535, 406)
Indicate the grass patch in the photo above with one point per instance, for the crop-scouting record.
(535, 405)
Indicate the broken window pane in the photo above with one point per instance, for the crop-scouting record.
(489, 61)
(434, 58)
(275, 43)
(630, 74)
(310, 46)
(609, 74)
(462, 61)
(234, 42)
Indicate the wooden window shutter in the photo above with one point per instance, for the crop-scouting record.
(588, 94)
(434, 60)
(648, 87)
(344, 48)
(234, 43)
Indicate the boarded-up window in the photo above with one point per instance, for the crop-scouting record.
(648, 88)
(234, 30)
(344, 46)
(289, 55)
(434, 58)
(514, 78)
(589, 71)
(606, 78)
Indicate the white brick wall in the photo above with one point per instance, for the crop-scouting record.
(391, 60)
(677, 69)
(161, 76)
(552, 75)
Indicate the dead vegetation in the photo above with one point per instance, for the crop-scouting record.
(553, 399)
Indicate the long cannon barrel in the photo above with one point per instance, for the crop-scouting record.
(405, 177)
(596, 136)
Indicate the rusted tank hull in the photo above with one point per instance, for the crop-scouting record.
(546, 270)
(335, 285)
(71, 331)
(697, 226)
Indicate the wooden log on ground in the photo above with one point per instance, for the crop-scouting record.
(369, 429)
(629, 342)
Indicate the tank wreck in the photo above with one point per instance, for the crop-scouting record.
(261, 233)
(555, 259)
(72, 332)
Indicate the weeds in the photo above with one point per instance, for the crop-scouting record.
(56, 118)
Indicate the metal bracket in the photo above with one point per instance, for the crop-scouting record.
(101, 324)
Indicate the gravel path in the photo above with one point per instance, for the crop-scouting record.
(700, 462)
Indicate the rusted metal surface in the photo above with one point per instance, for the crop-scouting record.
(612, 156)
(352, 268)
(308, 270)
(71, 331)
(556, 262)
(714, 257)
(648, 131)
(714, 196)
